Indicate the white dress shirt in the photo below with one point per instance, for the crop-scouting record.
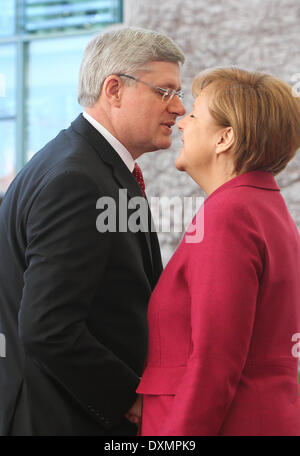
(114, 142)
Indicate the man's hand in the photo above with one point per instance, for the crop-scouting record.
(135, 413)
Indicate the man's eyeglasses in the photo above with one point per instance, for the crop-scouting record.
(167, 94)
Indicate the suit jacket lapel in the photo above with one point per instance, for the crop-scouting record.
(121, 173)
(108, 155)
(126, 180)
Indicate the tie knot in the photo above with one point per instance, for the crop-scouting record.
(138, 175)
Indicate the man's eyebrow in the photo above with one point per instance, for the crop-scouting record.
(170, 86)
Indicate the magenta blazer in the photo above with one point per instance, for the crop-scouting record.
(222, 358)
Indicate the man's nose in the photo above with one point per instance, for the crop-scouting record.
(176, 106)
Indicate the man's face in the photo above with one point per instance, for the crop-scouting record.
(145, 121)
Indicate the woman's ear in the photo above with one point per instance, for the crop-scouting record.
(112, 90)
(226, 140)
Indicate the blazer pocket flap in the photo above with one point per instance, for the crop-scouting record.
(161, 380)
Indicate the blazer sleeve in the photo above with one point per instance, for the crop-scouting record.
(66, 259)
(222, 275)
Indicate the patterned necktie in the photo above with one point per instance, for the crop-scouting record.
(138, 175)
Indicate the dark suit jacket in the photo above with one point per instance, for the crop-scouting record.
(73, 301)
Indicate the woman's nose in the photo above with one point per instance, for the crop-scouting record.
(180, 124)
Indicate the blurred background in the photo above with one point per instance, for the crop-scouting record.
(41, 46)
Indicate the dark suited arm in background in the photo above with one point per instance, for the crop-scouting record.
(66, 259)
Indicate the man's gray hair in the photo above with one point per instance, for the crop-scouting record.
(127, 50)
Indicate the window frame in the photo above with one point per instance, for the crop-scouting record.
(22, 41)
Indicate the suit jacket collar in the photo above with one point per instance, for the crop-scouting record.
(107, 154)
(120, 171)
(259, 179)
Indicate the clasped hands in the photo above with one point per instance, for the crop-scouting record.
(134, 414)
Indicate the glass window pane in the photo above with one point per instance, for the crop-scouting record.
(7, 153)
(7, 80)
(52, 88)
(7, 17)
(55, 15)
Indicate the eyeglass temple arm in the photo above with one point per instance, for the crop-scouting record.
(144, 82)
(126, 75)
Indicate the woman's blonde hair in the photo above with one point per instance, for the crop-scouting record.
(262, 111)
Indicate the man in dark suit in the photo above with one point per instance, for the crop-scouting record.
(73, 296)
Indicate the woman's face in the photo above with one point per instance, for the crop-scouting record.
(200, 136)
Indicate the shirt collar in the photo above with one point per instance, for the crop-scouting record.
(113, 141)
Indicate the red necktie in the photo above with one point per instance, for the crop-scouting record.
(138, 175)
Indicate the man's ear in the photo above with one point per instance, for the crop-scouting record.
(112, 90)
(225, 141)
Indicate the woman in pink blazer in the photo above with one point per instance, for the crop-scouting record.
(224, 317)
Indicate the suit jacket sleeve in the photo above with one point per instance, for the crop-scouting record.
(222, 276)
(66, 258)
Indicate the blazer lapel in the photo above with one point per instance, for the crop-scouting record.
(121, 174)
